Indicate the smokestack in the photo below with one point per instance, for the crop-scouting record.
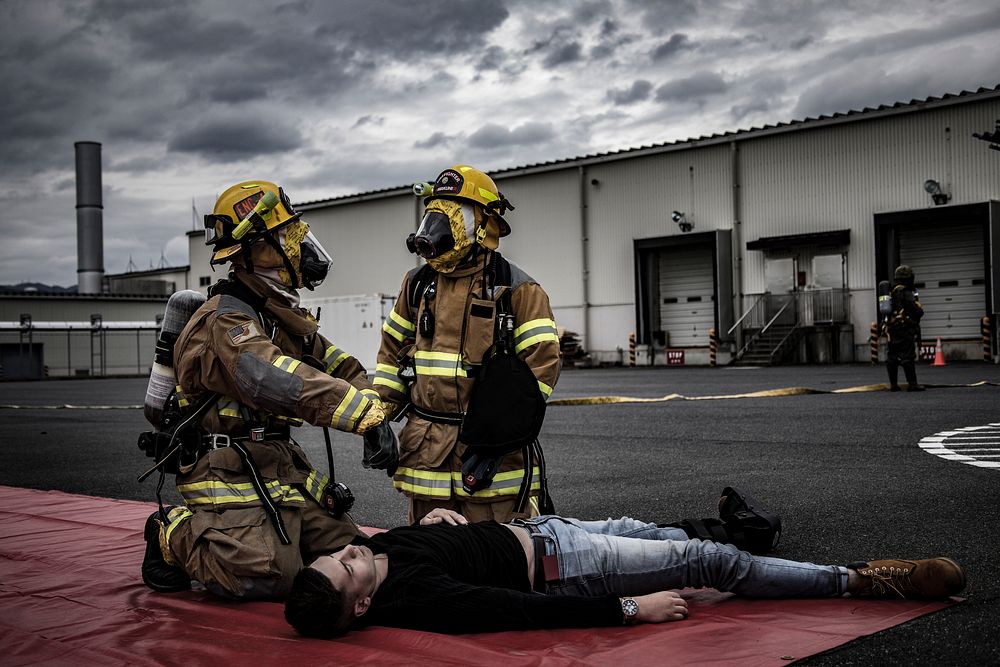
(89, 218)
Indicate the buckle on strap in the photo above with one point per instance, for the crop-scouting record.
(217, 440)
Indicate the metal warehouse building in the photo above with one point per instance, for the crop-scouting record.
(773, 237)
(766, 243)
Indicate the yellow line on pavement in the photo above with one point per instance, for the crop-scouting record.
(765, 393)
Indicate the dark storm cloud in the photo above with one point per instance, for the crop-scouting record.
(229, 139)
(610, 43)
(492, 135)
(678, 42)
(694, 87)
(492, 58)
(565, 53)
(404, 30)
(943, 30)
(638, 91)
(936, 64)
(760, 94)
(368, 119)
(664, 15)
(433, 141)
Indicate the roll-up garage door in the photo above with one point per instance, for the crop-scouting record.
(947, 261)
(687, 309)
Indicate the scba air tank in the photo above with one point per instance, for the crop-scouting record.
(180, 307)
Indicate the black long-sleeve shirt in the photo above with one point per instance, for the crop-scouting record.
(473, 578)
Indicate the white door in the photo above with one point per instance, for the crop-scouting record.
(687, 303)
(947, 262)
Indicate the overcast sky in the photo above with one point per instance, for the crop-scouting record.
(330, 97)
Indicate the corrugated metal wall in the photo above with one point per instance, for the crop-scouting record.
(838, 177)
(367, 242)
(819, 177)
(545, 238)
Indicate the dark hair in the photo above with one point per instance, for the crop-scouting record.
(314, 607)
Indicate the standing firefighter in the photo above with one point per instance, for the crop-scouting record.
(470, 353)
(901, 327)
(250, 365)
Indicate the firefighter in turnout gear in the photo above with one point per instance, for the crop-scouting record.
(255, 509)
(442, 329)
(902, 330)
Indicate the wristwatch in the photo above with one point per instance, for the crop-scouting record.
(630, 610)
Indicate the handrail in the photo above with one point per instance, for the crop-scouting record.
(776, 316)
(781, 343)
(757, 334)
(746, 314)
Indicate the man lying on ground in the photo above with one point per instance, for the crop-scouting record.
(446, 575)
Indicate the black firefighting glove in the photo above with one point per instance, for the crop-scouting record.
(381, 448)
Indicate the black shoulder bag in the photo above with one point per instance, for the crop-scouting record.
(506, 408)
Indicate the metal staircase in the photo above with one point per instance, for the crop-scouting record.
(772, 346)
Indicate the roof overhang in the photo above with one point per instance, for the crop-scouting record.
(839, 237)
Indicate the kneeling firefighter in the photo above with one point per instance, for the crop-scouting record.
(469, 354)
(250, 366)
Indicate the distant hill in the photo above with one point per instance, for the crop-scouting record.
(36, 288)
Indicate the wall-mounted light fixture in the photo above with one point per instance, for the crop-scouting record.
(682, 222)
(933, 188)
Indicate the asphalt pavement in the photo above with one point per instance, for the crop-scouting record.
(844, 470)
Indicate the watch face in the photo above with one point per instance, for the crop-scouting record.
(630, 607)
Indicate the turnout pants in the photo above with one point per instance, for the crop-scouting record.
(225, 539)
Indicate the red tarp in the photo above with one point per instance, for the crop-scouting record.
(70, 593)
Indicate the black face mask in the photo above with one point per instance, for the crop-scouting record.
(433, 238)
(312, 267)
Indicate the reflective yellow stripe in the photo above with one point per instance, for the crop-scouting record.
(423, 482)
(333, 357)
(215, 492)
(388, 376)
(315, 483)
(534, 324)
(180, 515)
(534, 332)
(391, 384)
(545, 389)
(446, 364)
(398, 326)
(286, 364)
(349, 409)
(504, 484)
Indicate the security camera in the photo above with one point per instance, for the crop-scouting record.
(682, 221)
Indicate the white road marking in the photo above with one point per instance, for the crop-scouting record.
(973, 445)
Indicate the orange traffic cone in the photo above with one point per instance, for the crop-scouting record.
(938, 355)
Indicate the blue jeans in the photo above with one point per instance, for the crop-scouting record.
(629, 557)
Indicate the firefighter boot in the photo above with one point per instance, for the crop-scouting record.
(931, 579)
(742, 522)
(750, 526)
(893, 370)
(156, 572)
(911, 378)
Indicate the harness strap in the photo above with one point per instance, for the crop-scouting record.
(438, 417)
(265, 499)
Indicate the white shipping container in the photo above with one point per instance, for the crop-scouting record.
(353, 323)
